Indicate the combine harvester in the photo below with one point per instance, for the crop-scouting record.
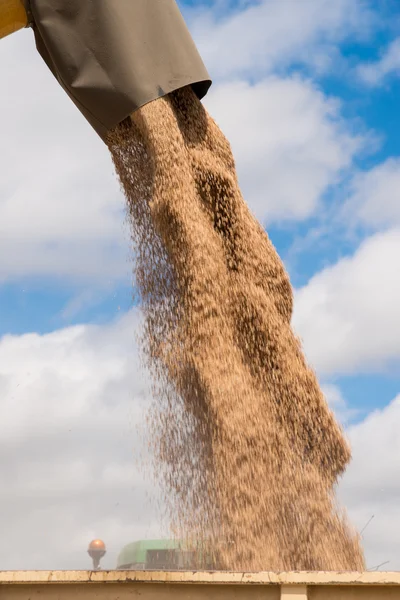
(112, 57)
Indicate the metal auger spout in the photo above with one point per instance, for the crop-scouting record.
(12, 17)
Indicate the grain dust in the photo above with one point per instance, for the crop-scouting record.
(245, 445)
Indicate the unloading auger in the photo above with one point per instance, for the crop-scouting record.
(111, 56)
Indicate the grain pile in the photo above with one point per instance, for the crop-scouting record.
(245, 445)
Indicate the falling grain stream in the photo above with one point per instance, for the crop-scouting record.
(246, 449)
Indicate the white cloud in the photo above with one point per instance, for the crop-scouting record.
(266, 35)
(348, 314)
(371, 486)
(375, 73)
(374, 196)
(71, 404)
(289, 142)
(337, 403)
(61, 212)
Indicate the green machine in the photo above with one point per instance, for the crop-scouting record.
(158, 555)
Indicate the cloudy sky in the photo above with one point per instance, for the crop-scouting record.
(308, 93)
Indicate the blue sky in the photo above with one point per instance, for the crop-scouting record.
(308, 93)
